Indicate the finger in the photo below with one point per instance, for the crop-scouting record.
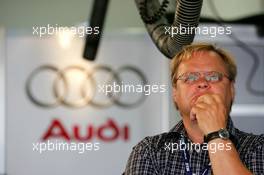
(217, 98)
(194, 111)
(206, 98)
(202, 105)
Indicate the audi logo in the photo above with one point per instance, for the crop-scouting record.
(61, 87)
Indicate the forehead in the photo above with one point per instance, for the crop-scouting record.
(202, 61)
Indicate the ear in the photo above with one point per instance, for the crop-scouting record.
(174, 91)
(174, 96)
(233, 90)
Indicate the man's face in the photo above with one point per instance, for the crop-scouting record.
(185, 94)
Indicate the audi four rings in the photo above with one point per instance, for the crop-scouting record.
(86, 99)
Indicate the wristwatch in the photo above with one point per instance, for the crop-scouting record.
(222, 133)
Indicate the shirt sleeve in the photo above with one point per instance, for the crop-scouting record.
(255, 160)
(141, 160)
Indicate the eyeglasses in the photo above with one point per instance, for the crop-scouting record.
(193, 77)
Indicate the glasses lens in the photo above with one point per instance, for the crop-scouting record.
(192, 77)
(213, 76)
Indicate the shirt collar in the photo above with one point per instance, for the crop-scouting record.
(179, 128)
(230, 127)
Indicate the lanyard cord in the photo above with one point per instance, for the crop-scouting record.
(186, 158)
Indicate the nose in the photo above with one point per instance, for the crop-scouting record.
(203, 84)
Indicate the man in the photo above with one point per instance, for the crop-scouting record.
(205, 140)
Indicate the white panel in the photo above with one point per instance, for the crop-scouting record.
(28, 122)
(2, 100)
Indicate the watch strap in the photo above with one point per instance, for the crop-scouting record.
(211, 136)
(216, 134)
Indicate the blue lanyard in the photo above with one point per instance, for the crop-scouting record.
(186, 158)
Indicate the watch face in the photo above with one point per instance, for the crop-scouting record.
(224, 134)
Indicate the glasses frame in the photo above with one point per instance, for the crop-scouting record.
(201, 74)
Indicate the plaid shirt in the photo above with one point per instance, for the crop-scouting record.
(152, 155)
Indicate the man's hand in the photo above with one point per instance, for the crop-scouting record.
(210, 113)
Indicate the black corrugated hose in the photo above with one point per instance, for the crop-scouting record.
(167, 37)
